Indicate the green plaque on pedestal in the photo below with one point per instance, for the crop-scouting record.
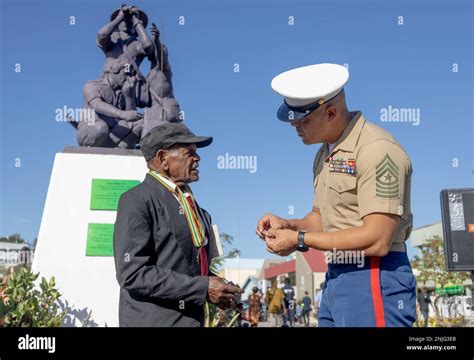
(100, 240)
(105, 193)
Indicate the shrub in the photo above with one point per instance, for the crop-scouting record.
(23, 305)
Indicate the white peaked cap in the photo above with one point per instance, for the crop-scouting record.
(307, 87)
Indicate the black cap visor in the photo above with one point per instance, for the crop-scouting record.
(200, 141)
(288, 113)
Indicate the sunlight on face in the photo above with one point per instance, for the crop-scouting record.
(183, 161)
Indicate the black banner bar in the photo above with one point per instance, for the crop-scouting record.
(89, 343)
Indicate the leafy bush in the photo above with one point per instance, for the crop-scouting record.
(23, 305)
(213, 314)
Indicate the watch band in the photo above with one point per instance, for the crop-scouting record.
(300, 245)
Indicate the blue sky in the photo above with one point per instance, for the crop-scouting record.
(407, 66)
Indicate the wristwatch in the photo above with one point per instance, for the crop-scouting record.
(300, 245)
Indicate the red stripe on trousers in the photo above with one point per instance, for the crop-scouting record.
(376, 291)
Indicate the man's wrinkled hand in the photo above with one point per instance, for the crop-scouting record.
(222, 294)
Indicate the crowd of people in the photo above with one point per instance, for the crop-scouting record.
(284, 310)
(279, 306)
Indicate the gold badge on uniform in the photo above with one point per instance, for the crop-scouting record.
(342, 165)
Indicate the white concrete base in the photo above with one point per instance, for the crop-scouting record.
(86, 283)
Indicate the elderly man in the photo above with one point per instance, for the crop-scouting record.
(163, 240)
(361, 209)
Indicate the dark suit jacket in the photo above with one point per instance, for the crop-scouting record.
(156, 260)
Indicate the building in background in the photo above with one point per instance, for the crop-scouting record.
(421, 235)
(306, 272)
(9, 253)
(278, 272)
(239, 269)
(311, 267)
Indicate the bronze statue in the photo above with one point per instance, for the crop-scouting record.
(163, 106)
(121, 88)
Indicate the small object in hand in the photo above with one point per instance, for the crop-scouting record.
(237, 298)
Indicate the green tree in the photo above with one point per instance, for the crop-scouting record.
(33, 244)
(14, 238)
(431, 266)
(227, 241)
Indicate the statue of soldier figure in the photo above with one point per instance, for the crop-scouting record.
(121, 88)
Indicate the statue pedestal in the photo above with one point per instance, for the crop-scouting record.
(77, 254)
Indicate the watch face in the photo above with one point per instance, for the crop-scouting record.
(302, 248)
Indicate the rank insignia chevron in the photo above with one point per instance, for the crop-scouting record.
(387, 184)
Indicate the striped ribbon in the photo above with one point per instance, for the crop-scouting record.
(190, 209)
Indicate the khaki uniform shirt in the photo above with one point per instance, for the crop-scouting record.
(366, 172)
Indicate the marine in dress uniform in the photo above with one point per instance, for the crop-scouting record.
(361, 192)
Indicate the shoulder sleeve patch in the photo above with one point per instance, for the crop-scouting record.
(387, 179)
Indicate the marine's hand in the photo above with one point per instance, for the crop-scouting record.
(270, 221)
(281, 241)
